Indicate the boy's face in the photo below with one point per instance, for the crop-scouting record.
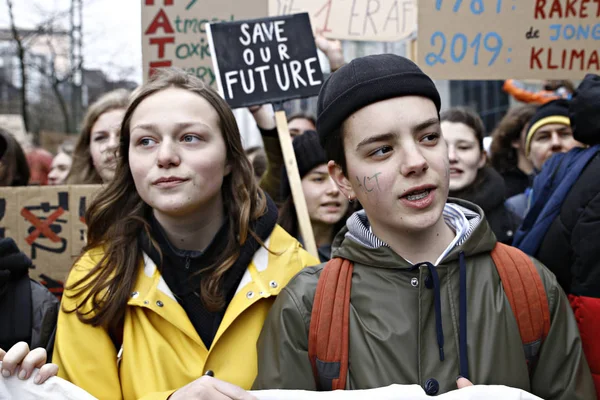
(397, 163)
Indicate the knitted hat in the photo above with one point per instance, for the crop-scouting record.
(309, 154)
(553, 112)
(584, 111)
(367, 80)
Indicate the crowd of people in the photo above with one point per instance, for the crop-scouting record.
(194, 282)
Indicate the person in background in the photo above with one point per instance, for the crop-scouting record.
(563, 226)
(61, 164)
(258, 159)
(297, 124)
(40, 161)
(470, 177)
(508, 150)
(14, 169)
(28, 311)
(327, 206)
(183, 260)
(548, 133)
(94, 157)
(300, 123)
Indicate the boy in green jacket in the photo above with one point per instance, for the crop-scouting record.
(427, 303)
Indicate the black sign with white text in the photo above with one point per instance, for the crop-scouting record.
(265, 60)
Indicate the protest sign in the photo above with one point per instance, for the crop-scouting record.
(377, 20)
(265, 60)
(173, 32)
(270, 60)
(499, 39)
(46, 224)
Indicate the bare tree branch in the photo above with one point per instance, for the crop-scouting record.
(21, 57)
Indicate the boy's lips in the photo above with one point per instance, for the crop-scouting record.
(417, 189)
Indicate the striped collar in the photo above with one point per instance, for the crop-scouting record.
(460, 219)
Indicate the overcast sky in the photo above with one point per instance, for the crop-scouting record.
(111, 29)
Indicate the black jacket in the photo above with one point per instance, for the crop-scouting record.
(488, 193)
(515, 181)
(571, 247)
(28, 311)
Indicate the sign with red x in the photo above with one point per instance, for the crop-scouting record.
(42, 227)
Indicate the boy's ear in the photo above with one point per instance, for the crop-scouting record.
(336, 173)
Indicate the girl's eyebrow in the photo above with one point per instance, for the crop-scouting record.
(178, 126)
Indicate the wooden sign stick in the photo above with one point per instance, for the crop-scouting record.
(291, 167)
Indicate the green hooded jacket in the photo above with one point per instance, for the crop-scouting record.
(394, 327)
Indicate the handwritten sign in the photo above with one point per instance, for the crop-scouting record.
(498, 39)
(46, 223)
(265, 60)
(377, 20)
(174, 32)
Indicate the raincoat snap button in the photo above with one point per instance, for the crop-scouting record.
(159, 303)
(414, 282)
(135, 295)
(250, 294)
(273, 284)
(429, 282)
(432, 387)
(146, 302)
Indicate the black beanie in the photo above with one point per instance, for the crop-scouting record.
(367, 80)
(553, 112)
(309, 154)
(584, 111)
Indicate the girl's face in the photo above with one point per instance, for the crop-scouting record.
(325, 203)
(59, 170)
(104, 141)
(177, 154)
(464, 154)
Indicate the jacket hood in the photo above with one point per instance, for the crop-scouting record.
(488, 190)
(583, 111)
(480, 240)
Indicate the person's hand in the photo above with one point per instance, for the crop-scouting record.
(264, 116)
(463, 382)
(332, 49)
(20, 361)
(208, 388)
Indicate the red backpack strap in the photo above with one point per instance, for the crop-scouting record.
(527, 297)
(329, 324)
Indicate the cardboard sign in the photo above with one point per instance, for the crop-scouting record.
(265, 60)
(46, 223)
(174, 34)
(377, 20)
(499, 39)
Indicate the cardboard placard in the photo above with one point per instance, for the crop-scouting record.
(42, 220)
(499, 39)
(265, 60)
(377, 20)
(173, 32)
